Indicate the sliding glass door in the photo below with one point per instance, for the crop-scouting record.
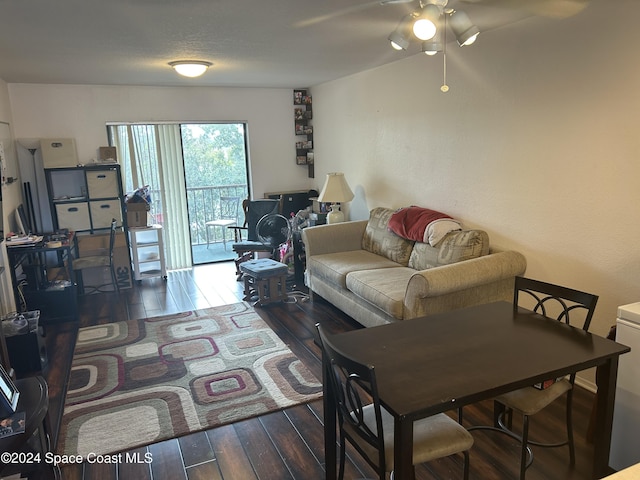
(215, 159)
(191, 170)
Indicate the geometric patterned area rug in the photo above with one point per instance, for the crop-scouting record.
(142, 381)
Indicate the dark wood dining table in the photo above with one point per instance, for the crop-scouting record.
(445, 361)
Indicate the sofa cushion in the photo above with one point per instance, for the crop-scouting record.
(333, 267)
(380, 240)
(455, 247)
(384, 289)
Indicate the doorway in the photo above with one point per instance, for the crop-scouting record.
(188, 169)
(216, 173)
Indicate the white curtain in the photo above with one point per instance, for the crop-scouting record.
(152, 155)
(174, 196)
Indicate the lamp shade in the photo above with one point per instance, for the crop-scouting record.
(435, 45)
(399, 38)
(465, 31)
(335, 190)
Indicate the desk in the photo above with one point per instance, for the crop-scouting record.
(56, 304)
(430, 365)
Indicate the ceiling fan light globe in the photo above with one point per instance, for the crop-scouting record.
(395, 46)
(424, 29)
(425, 26)
(471, 40)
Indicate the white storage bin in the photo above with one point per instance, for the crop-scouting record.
(59, 152)
(102, 212)
(74, 216)
(102, 184)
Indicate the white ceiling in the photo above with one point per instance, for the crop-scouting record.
(252, 43)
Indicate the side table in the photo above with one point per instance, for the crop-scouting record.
(265, 277)
(34, 401)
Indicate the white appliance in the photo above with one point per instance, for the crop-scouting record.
(625, 435)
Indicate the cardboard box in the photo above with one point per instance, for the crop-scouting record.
(547, 383)
(138, 214)
(98, 244)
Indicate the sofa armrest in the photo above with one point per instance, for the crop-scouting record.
(465, 275)
(333, 238)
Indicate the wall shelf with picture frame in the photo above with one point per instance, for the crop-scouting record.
(303, 116)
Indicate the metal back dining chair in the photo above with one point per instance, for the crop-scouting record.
(572, 307)
(98, 261)
(227, 216)
(364, 423)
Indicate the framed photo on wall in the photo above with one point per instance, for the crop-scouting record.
(9, 394)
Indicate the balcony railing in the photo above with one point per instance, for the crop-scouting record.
(203, 205)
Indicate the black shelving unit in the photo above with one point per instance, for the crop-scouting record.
(303, 116)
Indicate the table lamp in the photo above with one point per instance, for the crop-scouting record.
(335, 191)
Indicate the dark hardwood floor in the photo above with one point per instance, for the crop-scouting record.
(289, 444)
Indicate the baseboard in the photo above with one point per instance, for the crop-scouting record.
(586, 384)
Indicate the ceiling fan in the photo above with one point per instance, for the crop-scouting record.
(546, 8)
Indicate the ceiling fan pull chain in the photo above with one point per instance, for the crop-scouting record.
(444, 88)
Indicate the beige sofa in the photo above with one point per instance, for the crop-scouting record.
(378, 277)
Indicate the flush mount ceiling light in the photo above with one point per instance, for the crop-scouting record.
(190, 68)
(428, 25)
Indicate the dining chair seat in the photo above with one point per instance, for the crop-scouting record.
(434, 437)
(91, 262)
(530, 400)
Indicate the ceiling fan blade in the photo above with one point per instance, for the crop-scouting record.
(544, 8)
(346, 11)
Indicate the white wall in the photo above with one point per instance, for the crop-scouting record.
(11, 197)
(81, 112)
(536, 142)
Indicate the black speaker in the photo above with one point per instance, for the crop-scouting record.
(27, 352)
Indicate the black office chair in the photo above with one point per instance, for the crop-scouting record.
(247, 248)
(565, 305)
(98, 261)
(370, 428)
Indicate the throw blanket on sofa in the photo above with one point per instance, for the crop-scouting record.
(422, 224)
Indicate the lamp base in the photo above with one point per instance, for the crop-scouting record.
(335, 215)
